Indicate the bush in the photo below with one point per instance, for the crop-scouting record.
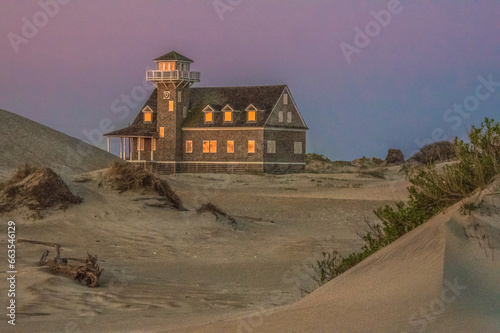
(316, 157)
(435, 152)
(432, 191)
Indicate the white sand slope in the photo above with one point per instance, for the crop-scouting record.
(25, 141)
(442, 277)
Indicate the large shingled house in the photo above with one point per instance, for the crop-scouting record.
(223, 129)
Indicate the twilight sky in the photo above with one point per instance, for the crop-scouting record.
(426, 72)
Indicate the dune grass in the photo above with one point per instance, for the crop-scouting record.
(432, 191)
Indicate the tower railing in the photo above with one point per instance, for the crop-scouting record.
(155, 75)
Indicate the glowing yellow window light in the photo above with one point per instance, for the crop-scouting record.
(206, 146)
(251, 115)
(147, 117)
(230, 146)
(209, 117)
(213, 146)
(228, 116)
(251, 146)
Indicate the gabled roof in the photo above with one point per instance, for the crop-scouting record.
(173, 56)
(239, 98)
(138, 127)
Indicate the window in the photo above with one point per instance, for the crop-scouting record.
(171, 106)
(209, 117)
(285, 99)
(280, 116)
(184, 111)
(189, 146)
(147, 117)
(251, 116)
(162, 132)
(271, 147)
(228, 116)
(209, 146)
(288, 117)
(140, 145)
(179, 96)
(154, 144)
(251, 146)
(213, 146)
(297, 147)
(230, 147)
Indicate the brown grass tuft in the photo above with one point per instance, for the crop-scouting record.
(38, 189)
(126, 176)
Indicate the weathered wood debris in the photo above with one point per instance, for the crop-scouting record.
(88, 271)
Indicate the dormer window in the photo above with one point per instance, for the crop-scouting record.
(251, 113)
(228, 114)
(148, 115)
(209, 114)
(285, 99)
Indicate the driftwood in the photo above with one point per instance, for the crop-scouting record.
(88, 272)
(219, 213)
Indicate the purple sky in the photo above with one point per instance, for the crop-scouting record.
(394, 92)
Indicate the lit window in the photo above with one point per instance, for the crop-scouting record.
(251, 115)
(179, 96)
(297, 147)
(147, 117)
(285, 99)
(171, 106)
(209, 146)
(154, 144)
(251, 146)
(162, 132)
(189, 146)
(271, 147)
(280, 116)
(288, 117)
(228, 116)
(230, 147)
(209, 117)
(141, 144)
(213, 146)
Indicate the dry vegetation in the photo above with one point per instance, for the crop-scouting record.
(126, 176)
(38, 189)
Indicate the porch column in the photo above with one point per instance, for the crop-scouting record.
(152, 149)
(138, 148)
(124, 148)
(108, 142)
(130, 148)
(121, 147)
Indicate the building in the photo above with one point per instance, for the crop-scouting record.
(223, 129)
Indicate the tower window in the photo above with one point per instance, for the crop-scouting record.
(280, 116)
(171, 106)
(288, 117)
(285, 99)
(162, 132)
(251, 146)
(189, 147)
(179, 96)
(184, 112)
(230, 147)
(147, 117)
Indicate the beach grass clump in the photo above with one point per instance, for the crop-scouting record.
(432, 191)
(127, 176)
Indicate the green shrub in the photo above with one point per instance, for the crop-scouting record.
(432, 190)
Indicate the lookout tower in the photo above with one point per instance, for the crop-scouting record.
(173, 78)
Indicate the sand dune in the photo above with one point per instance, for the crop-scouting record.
(441, 277)
(25, 141)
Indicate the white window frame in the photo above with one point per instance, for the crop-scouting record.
(297, 147)
(289, 117)
(280, 116)
(285, 99)
(271, 147)
(179, 96)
